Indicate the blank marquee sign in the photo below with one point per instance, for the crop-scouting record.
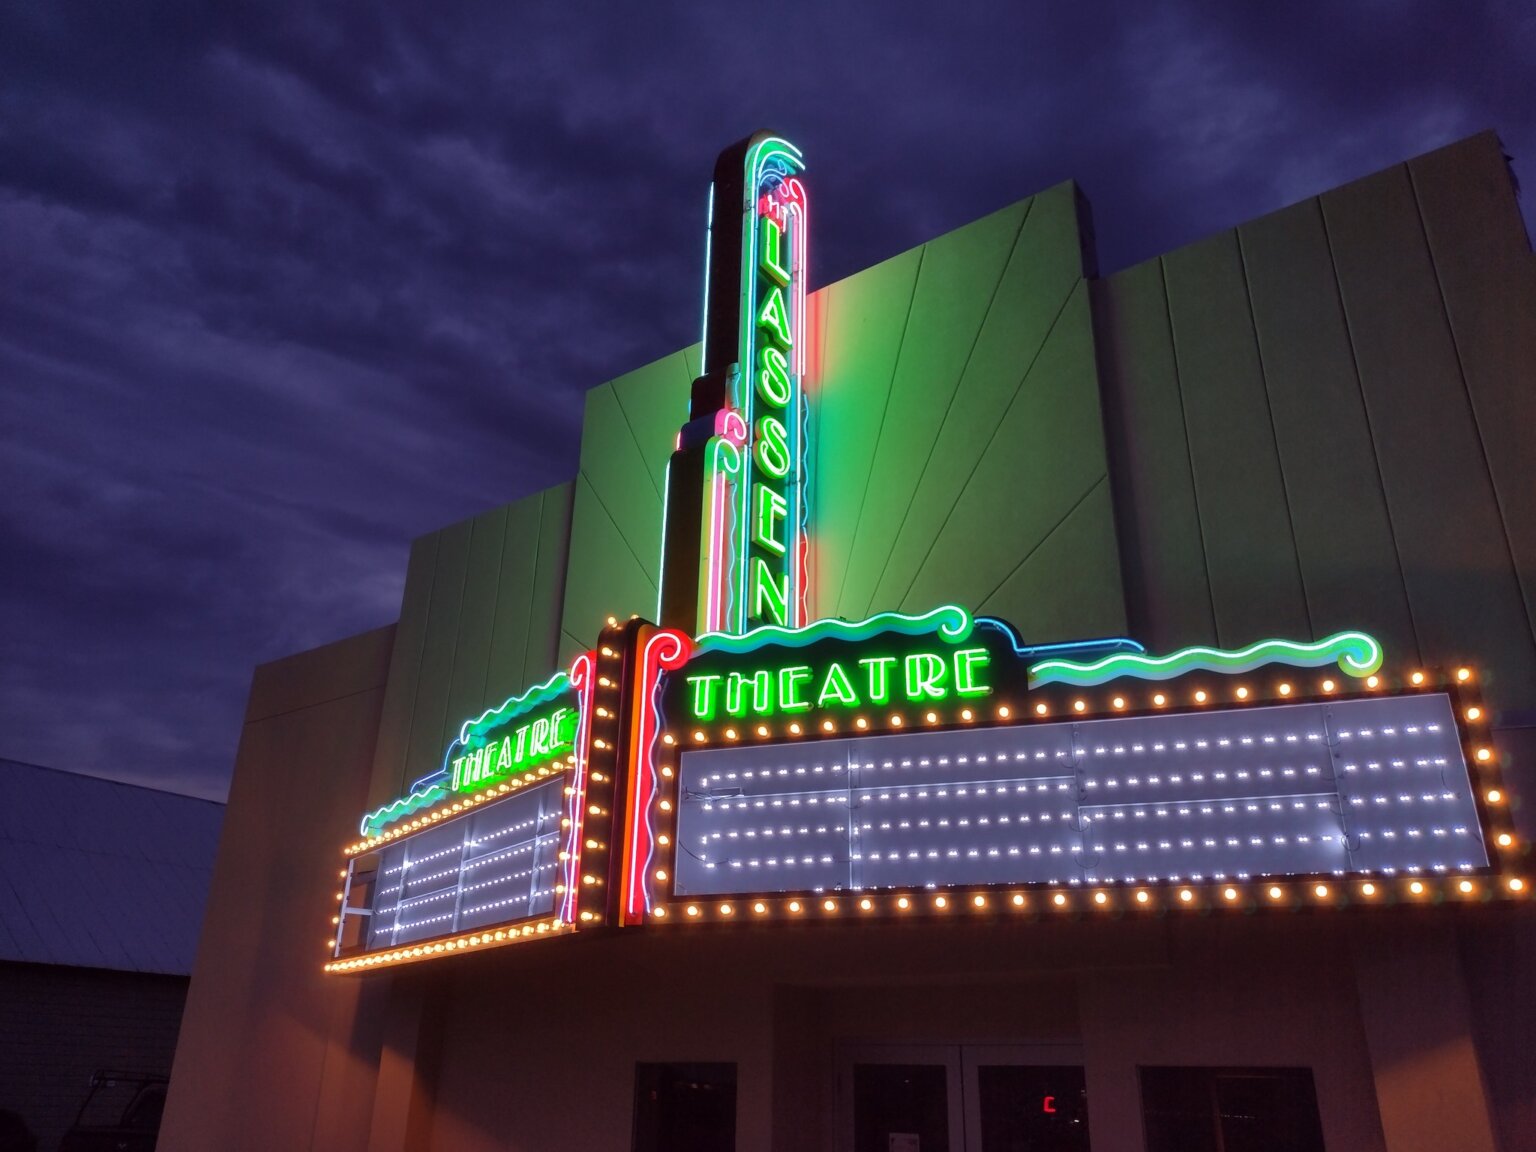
(738, 762)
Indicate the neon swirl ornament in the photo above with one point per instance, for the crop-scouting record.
(950, 622)
(584, 680)
(664, 650)
(1356, 653)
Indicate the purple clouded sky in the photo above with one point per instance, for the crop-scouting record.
(284, 287)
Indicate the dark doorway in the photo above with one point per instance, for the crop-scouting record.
(685, 1108)
(1230, 1110)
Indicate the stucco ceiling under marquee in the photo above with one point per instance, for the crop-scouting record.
(956, 436)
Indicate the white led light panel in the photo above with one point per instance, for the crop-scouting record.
(1364, 785)
(494, 864)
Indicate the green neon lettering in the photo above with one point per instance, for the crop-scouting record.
(925, 674)
(704, 695)
(835, 685)
(458, 772)
(773, 382)
(505, 760)
(771, 450)
(770, 593)
(522, 743)
(790, 680)
(774, 316)
(762, 692)
(969, 663)
(540, 737)
(772, 261)
(770, 510)
(878, 669)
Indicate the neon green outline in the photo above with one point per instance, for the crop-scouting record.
(949, 621)
(1358, 654)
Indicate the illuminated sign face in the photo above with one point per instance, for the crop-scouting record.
(735, 552)
(500, 747)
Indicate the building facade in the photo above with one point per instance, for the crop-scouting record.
(976, 500)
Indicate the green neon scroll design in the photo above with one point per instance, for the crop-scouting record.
(1357, 654)
(429, 790)
(950, 622)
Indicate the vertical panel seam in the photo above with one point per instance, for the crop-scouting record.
(959, 382)
(1274, 437)
(490, 648)
(987, 447)
(421, 655)
(1189, 452)
(1040, 543)
(1477, 424)
(453, 661)
(1370, 427)
(890, 387)
(533, 585)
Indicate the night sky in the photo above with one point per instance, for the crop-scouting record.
(285, 288)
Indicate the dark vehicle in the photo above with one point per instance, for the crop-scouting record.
(121, 1114)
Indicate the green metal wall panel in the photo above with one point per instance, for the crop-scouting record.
(1456, 563)
(543, 650)
(429, 711)
(857, 327)
(1043, 269)
(507, 664)
(1035, 468)
(1349, 563)
(389, 757)
(957, 282)
(1487, 279)
(1168, 592)
(1244, 518)
(477, 620)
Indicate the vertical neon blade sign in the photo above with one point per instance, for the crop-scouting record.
(769, 566)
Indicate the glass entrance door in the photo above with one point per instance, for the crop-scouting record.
(961, 1098)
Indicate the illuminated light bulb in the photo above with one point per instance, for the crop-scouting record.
(827, 726)
(979, 900)
(1465, 886)
(941, 902)
(1416, 888)
(903, 903)
(607, 651)
(665, 805)
(1463, 674)
(1118, 702)
(866, 904)
(663, 840)
(1275, 893)
(1505, 839)
(965, 713)
(1100, 898)
(895, 721)
(1079, 705)
(794, 905)
(1417, 678)
(666, 771)
(726, 909)
(1159, 699)
(1186, 895)
(1285, 689)
(1039, 709)
(605, 682)
(1328, 685)
(1018, 900)
(698, 737)
(1200, 696)
(1059, 899)
(612, 621)
(1229, 893)
(659, 912)
(1516, 884)
(668, 740)
(661, 874)
(794, 729)
(759, 907)
(693, 909)
(1372, 681)
(1321, 890)
(1242, 693)
(335, 919)
(861, 723)
(1485, 754)
(829, 905)
(1474, 713)
(762, 729)
(1142, 897)
(1003, 712)
(604, 743)
(932, 717)
(730, 733)
(1494, 795)
(1368, 889)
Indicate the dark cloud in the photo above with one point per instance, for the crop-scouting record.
(271, 271)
